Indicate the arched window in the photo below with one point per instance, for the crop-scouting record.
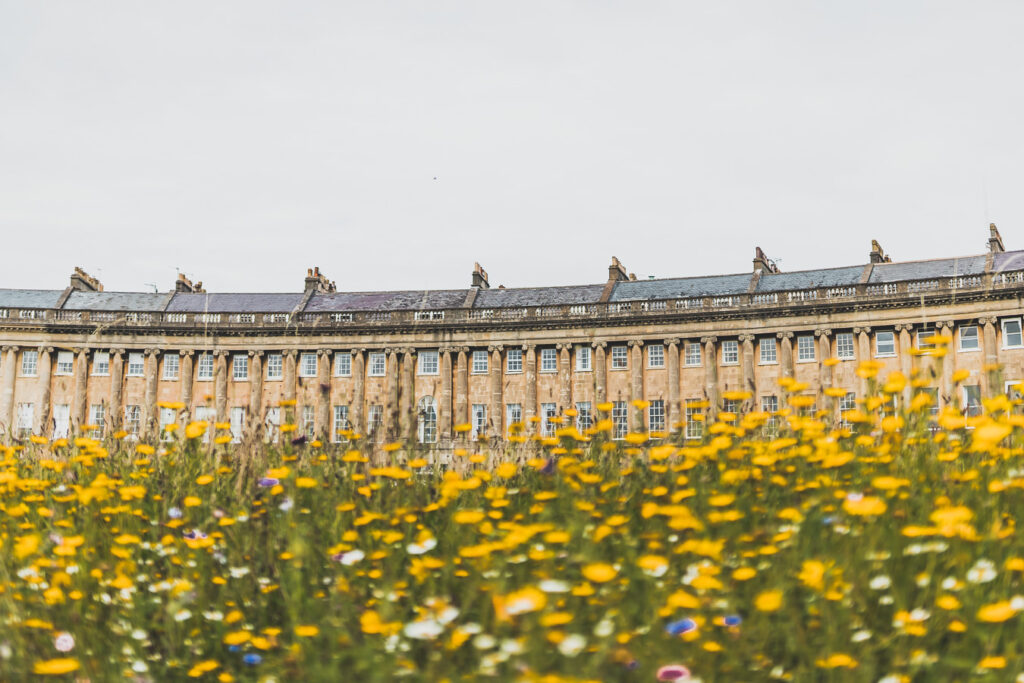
(427, 420)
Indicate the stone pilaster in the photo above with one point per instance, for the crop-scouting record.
(672, 349)
(948, 362)
(711, 375)
(636, 384)
(220, 385)
(391, 396)
(10, 372)
(564, 376)
(863, 335)
(255, 389)
(462, 387)
(290, 358)
(824, 353)
(186, 372)
(115, 416)
(80, 403)
(530, 375)
(600, 371)
(407, 396)
(42, 410)
(747, 378)
(988, 339)
(322, 417)
(906, 358)
(497, 413)
(786, 353)
(444, 419)
(150, 414)
(358, 390)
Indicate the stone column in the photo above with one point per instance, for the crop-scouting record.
(187, 374)
(220, 385)
(80, 412)
(116, 416)
(530, 375)
(407, 397)
(255, 389)
(747, 376)
(600, 372)
(322, 416)
(672, 349)
(10, 372)
(358, 390)
(948, 361)
(42, 410)
(496, 410)
(906, 359)
(991, 356)
(462, 387)
(636, 384)
(863, 352)
(391, 395)
(290, 358)
(444, 419)
(564, 376)
(150, 416)
(786, 353)
(711, 376)
(824, 353)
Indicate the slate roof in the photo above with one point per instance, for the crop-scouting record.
(538, 296)
(29, 298)
(421, 300)
(233, 303)
(115, 301)
(809, 279)
(676, 288)
(924, 270)
(1007, 261)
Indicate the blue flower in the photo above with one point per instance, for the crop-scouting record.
(733, 620)
(267, 482)
(678, 628)
(252, 659)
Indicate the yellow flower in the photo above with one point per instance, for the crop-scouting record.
(55, 667)
(744, 573)
(204, 479)
(237, 637)
(836, 661)
(468, 516)
(812, 574)
(768, 601)
(996, 612)
(992, 663)
(865, 506)
(25, 546)
(145, 449)
(194, 430)
(599, 572)
(192, 501)
(307, 630)
(305, 482)
(506, 470)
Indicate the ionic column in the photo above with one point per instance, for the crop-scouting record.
(42, 409)
(462, 387)
(600, 372)
(991, 356)
(864, 353)
(564, 376)
(187, 375)
(358, 389)
(445, 418)
(711, 375)
(672, 348)
(7, 395)
(948, 361)
(116, 416)
(407, 395)
(391, 395)
(80, 412)
(496, 409)
(220, 385)
(150, 421)
(824, 353)
(290, 362)
(530, 375)
(322, 417)
(906, 359)
(747, 372)
(786, 353)
(636, 385)
(255, 389)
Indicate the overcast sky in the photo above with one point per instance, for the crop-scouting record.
(395, 143)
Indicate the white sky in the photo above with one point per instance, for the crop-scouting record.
(243, 142)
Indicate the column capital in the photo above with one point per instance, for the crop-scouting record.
(599, 344)
(290, 353)
(495, 348)
(949, 324)
(186, 352)
(635, 343)
(152, 352)
(823, 332)
(220, 353)
(908, 327)
(258, 353)
(563, 346)
(987, 321)
(409, 351)
(529, 347)
(9, 347)
(358, 351)
(746, 338)
(672, 341)
(862, 330)
(324, 352)
(45, 349)
(708, 340)
(784, 335)
(445, 350)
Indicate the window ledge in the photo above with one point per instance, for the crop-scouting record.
(1005, 348)
(584, 370)
(768, 362)
(655, 367)
(513, 372)
(968, 350)
(885, 355)
(811, 360)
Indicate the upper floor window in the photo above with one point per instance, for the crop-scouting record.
(205, 366)
(656, 356)
(65, 363)
(844, 346)
(514, 360)
(805, 348)
(692, 354)
(428, 364)
(136, 364)
(548, 360)
(924, 336)
(342, 364)
(275, 366)
(479, 362)
(1012, 334)
(620, 358)
(378, 364)
(730, 352)
(969, 338)
(885, 344)
(29, 363)
(240, 367)
(308, 365)
(100, 363)
(583, 358)
(769, 353)
(171, 365)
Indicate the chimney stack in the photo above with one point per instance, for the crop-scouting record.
(995, 240)
(763, 263)
(317, 282)
(480, 277)
(877, 254)
(183, 284)
(617, 271)
(83, 282)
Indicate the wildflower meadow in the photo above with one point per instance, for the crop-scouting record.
(878, 545)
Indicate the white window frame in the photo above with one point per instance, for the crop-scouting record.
(923, 334)
(842, 352)
(374, 420)
(693, 355)
(97, 417)
(730, 352)
(272, 422)
(620, 357)
(548, 360)
(61, 420)
(237, 421)
(426, 420)
(25, 417)
(583, 359)
(133, 419)
(167, 416)
(309, 421)
(480, 363)
(888, 354)
(479, 419)
(205, 367)
(805, 351)
(960, 339)
(656, 414)
(584, 416)
(240, 367)
(66, 359)
(620, 420)
(1019, 333)
(172, 366)
(101, 369)
(275, 367)
(655, 356)
(694, 428)
(343, 364)
(428, 363)
(309, 363)
(339, 422)
(965, 406)
(513, 361)
(136, 365)
(767, 357)
(378, 364)
(547, 411)
(513, 413)
(29, 368)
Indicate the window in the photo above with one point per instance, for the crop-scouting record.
(308, 421)
(731, 405)
(29, 360)
(65, 363)
(584, 416)
(805, 348)
(770, 405)
(769, 353)
(205, 367)
(1011, 334)
(547, 411)
(340, 423)
(378, 364)
(844, 346)
(846, 403)
(514, 360)
(969, 338)
(171, 366)
(374, 419)
(620, 413)
(133, 419)
(307, 367)
(694, 426)
(548, 360)
(620, 358)
(479, 362)
(513, 413)
(583, 359)
(923, 335)
(237, 421)
(427, 422)
(96, 418)
(136, 364)
(166, 418)
(972, 400)
(428, 364)
(342, 364)
(479, 413)
(61, 421)
(240, 368)
(656, 416)
(275, 366)
(209, 416)
(885, 344)
(730, 352)
(25, 411)
(100, 363)
(273, 423)
(692, 354)
(656, 356)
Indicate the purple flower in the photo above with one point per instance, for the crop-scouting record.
(174, 513)
(673, 672)
(267, 482)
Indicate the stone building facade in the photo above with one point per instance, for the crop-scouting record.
(415, 364)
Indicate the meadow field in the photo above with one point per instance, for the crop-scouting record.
(777, 547)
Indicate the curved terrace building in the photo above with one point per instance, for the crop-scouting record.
(413, 364)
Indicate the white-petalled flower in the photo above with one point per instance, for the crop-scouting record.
(182, 615)
(351, 557)
(484, 642)
(554, 586)
(861, 635)
(423, 629)
(880, 582)
(238, 572)
(64, 642)
(419, 548)
(572, 645)
(983, 571)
